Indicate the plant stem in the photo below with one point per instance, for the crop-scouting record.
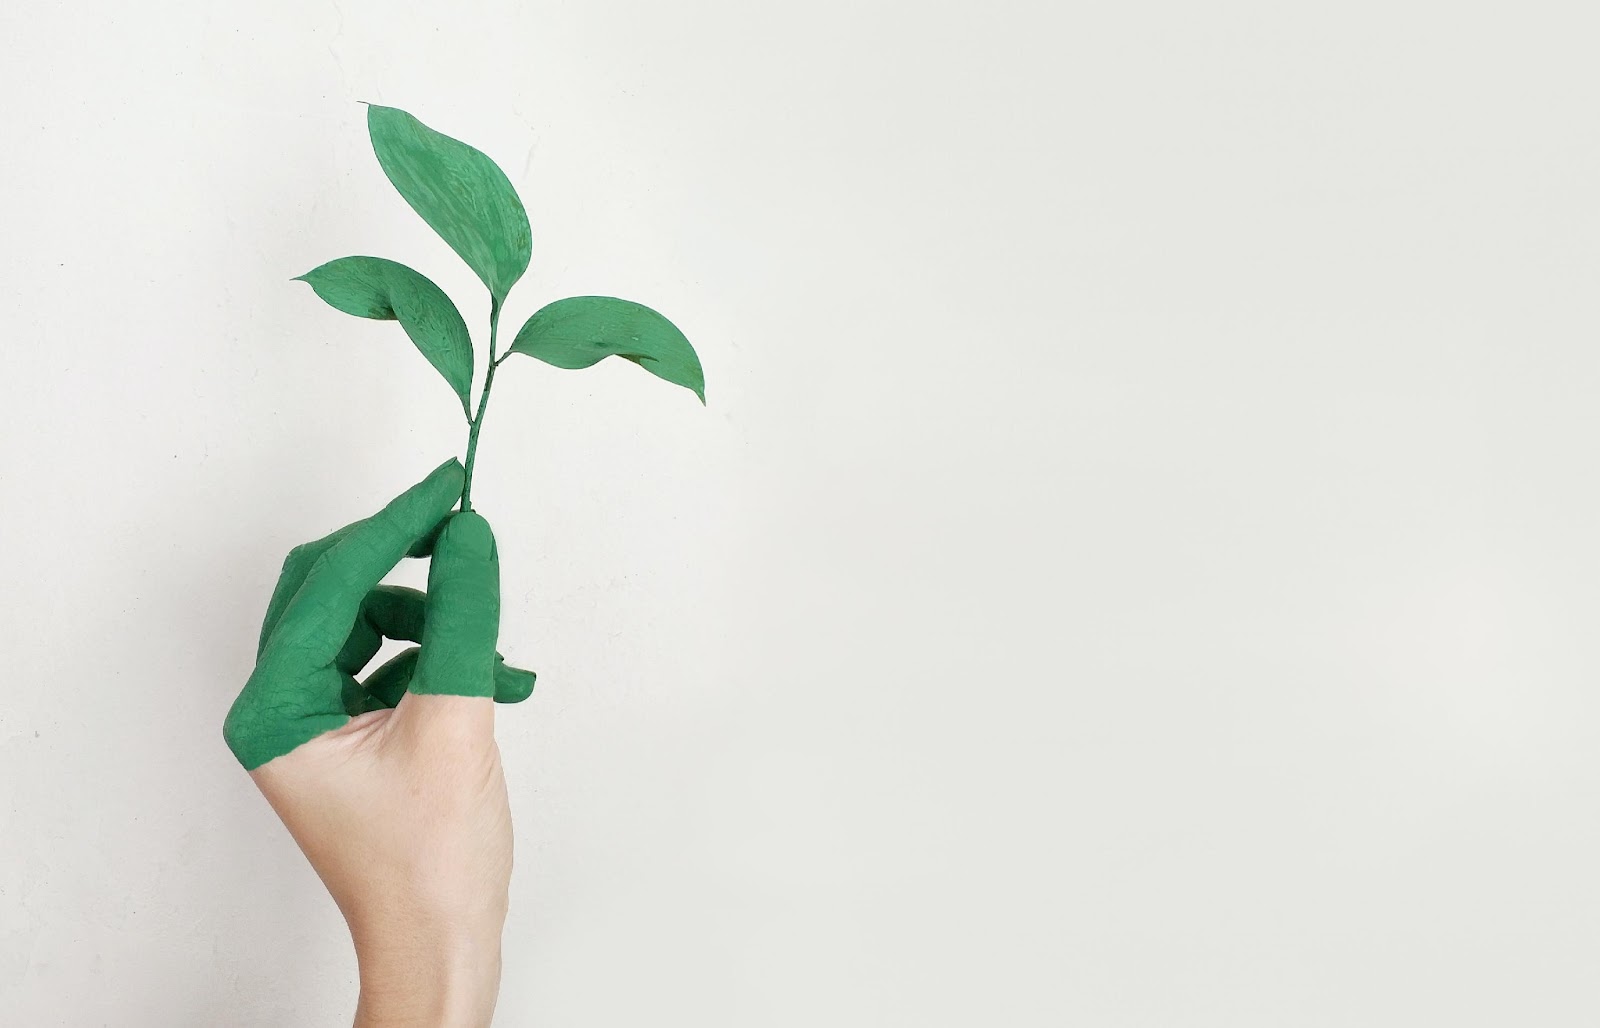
(476, 422)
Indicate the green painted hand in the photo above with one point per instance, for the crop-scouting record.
(329, 615)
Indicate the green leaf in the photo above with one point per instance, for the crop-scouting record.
(371, 287)
(581, 331)
(460, 193)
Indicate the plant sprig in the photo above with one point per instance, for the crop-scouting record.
(471, 204)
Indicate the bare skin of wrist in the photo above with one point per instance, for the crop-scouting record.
(430, 985)
(403, 814)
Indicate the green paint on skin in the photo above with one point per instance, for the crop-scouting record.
(329, 614)
(395, 612)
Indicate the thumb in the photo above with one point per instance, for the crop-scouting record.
(461, 619)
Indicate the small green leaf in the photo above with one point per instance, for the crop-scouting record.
(371, 287)
(460, 193)
(581, 331)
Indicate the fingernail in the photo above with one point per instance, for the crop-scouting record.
(470, 537)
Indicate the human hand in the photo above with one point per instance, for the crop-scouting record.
(392, 786)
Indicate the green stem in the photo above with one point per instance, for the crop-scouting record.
(476, 422)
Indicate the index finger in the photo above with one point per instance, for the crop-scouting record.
(317, 621)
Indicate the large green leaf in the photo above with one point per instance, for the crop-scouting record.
(581, 331)
(460, 193)
(371, 287)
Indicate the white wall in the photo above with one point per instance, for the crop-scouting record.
(1138, 566)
